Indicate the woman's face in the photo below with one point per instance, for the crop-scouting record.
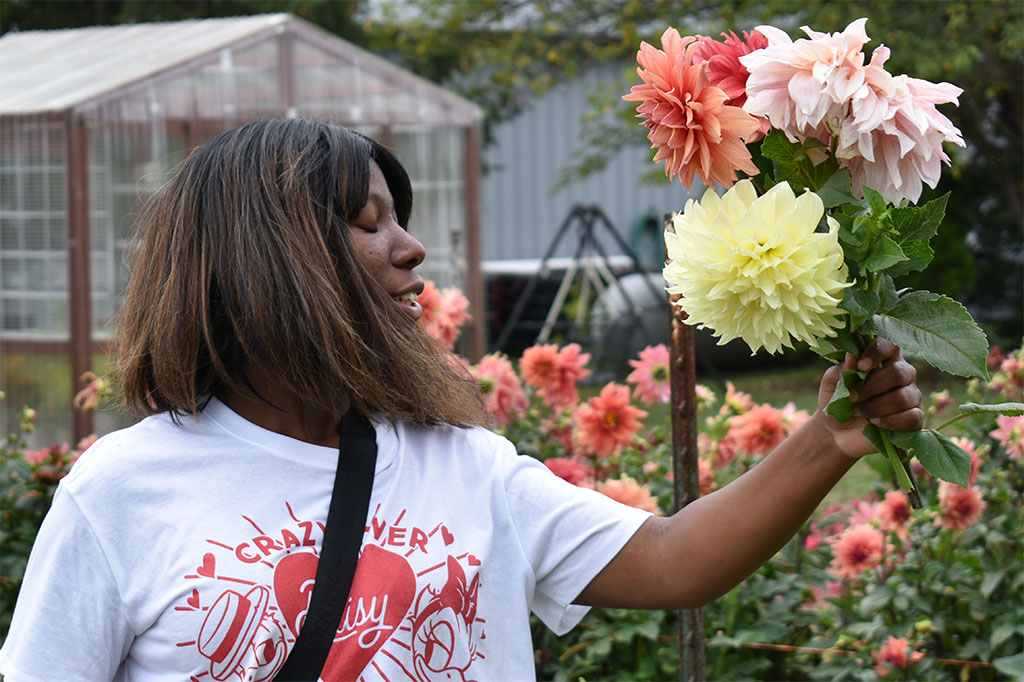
(385, 249)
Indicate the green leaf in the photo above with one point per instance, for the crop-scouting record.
(887, 293)
(941, 457)
(883, 254)
(874, 600)
(836, 190)
(1007, 409)
(938, 329)
(991, 582)
(1002, 633)
(916, 225)
(783, 154)
(839, 405)
(860, 303)
(876, 202)
(1011, 665)
(873, 434)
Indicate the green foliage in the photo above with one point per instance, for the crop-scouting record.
(950, 581)
(27, 483)
(938, 329)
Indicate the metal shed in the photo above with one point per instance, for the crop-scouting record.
(91, 121)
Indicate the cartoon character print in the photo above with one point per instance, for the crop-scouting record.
(442, 629)
(246, 632)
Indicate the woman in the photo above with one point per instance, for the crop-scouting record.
(274, 291)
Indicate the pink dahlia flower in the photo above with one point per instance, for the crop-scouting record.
(896, 652)
(759, 430)
(554, 373)
(651, 375)
(608, 422)
(792, 418)
(444, 313)
(706, 476)
(959, 507)
(721, 61)
(894, 513)
(735, 401)
(502, 391)
(894, 145)
(1009, 432)
(971, 449)
(802, 86)
(628, 491)
(857, 549)
(571, 470)
(692, 128)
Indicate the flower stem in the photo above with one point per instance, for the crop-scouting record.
(900, 469)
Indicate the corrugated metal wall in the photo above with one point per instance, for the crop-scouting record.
(520, 216)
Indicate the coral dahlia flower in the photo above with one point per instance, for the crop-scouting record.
(759, 430)
(502, 391)
(755, 268)
(554, 373)
(959, 507)
(628, 491)
(651, 375)
(608, 422)
(894, 513)
(571, 470)
(691, 126)
(857, 549)
(898, 653)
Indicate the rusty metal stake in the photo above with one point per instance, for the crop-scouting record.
(685, 470)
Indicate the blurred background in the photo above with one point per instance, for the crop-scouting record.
(530, 173)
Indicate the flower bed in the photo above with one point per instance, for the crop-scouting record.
(868, 589)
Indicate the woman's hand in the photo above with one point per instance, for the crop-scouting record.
(889, 397)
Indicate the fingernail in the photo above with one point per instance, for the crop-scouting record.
(864, 364)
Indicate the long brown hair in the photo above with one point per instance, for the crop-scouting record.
(244, 260)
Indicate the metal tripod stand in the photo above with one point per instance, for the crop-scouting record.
(589, 262)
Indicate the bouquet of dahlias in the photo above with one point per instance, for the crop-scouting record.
(808, 248)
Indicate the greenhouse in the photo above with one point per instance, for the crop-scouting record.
(91, 121)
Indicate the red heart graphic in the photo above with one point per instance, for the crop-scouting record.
(448, 537)
(193, 601)
(209, 567)
(293, 585)
(473, 561)
(382, 592)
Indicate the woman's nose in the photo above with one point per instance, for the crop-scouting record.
(410, 252)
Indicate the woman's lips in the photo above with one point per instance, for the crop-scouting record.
(410, 304)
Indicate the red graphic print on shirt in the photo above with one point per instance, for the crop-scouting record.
(411, 612)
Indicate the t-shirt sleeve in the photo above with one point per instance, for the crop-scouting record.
(69, 623)
(567, 533)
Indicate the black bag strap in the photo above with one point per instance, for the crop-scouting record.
(343, 534)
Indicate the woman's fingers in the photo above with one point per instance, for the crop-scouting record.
(878, 352)
(894, 373)
(897, 410)
(889, 396)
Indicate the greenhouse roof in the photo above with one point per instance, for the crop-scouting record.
(56, 71)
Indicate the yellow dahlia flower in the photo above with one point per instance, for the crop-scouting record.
(754, 268)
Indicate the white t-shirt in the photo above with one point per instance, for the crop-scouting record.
(188, 551)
